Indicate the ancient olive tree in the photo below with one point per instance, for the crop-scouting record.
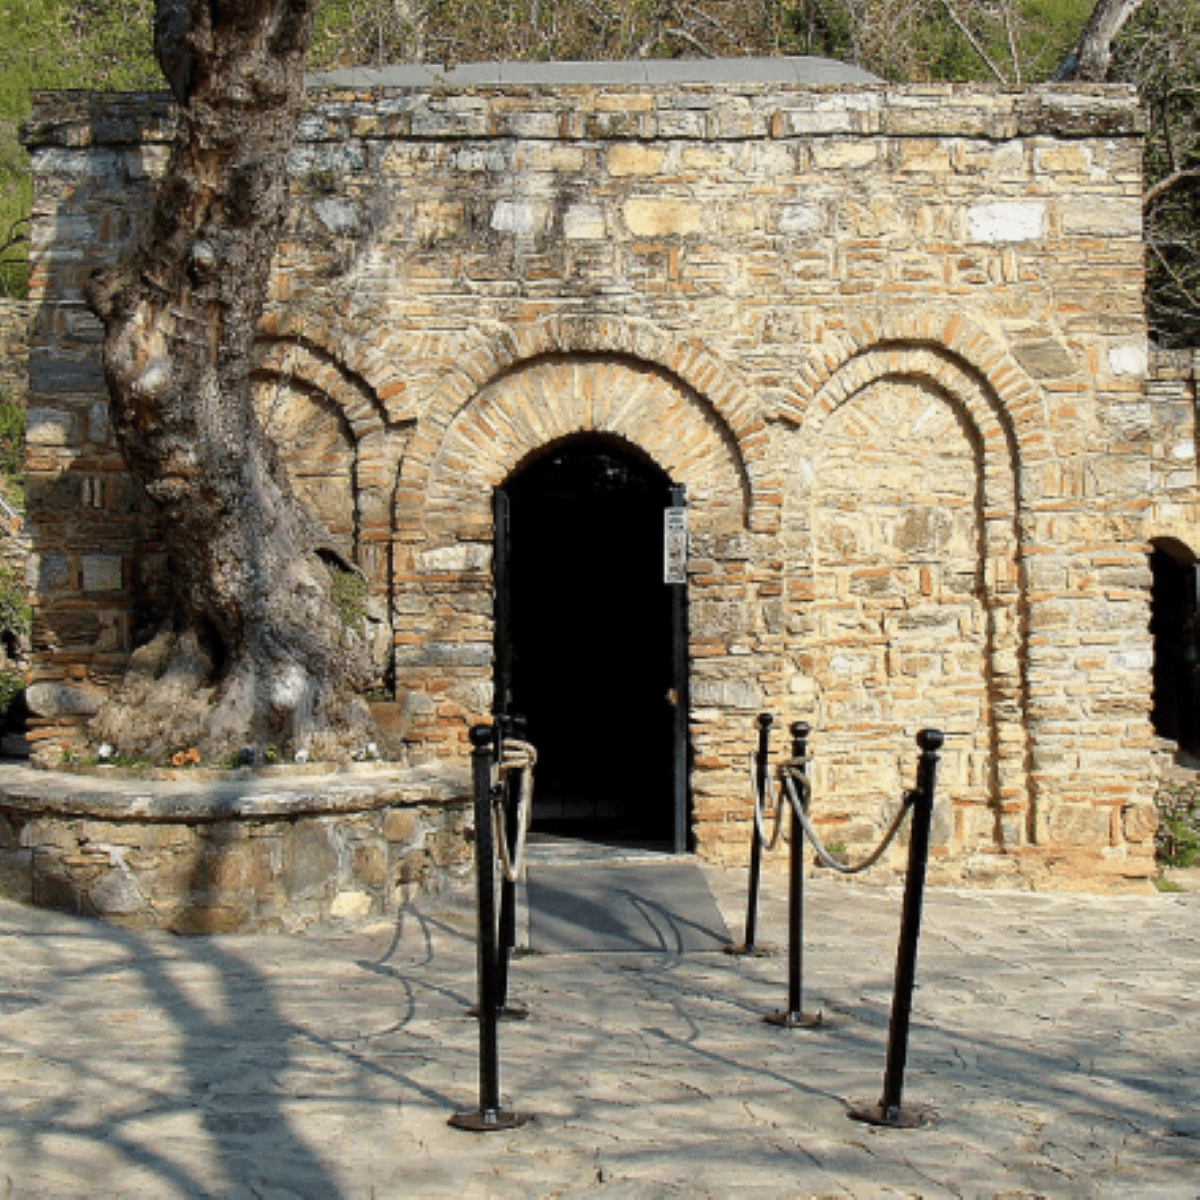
(270, 641)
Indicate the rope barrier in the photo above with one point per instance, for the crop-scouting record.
(768, 843)
(792, 780)
(790, 774)
(516, 756)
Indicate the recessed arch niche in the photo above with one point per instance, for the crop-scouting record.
(903, 537)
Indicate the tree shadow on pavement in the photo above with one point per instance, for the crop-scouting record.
(163, 1063)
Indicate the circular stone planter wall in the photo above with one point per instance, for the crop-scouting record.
(218, 852)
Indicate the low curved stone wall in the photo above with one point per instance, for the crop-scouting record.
(274, 849)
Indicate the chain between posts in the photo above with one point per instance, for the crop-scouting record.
(800, 808)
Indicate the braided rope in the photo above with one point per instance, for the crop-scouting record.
(790, 773)
(515, 756)
(768, 843)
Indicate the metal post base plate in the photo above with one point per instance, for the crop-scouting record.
(762, 950)
(794, 1020)
(510, 1012)
(487, 1120)
(912, 1116)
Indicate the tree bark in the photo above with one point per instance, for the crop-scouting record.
(1088, 62)
(261, 652)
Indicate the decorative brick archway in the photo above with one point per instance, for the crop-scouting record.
(443, 584)
(300, 365)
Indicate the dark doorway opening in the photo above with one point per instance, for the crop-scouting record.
(1173, 627)
(588, 659)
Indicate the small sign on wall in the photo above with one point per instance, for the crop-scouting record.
(675, 548)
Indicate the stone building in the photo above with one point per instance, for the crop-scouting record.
(885, 343)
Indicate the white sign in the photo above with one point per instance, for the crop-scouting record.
(675, 547)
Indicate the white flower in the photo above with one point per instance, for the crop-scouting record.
(302, 755)
(104, 750)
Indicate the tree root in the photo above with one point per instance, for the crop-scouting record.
(171, 700)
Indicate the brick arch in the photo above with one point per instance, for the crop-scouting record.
(989, 427)
(965, 348)
(293, 357)
(947, 373)
(550, 399)
(372, 368)
(306, 363)
(735, 410)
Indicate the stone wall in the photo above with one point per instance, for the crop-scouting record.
(1168, 426)
(280, 850)
(890, 338)
(14, 347)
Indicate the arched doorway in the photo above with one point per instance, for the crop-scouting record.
(1173, 627)
(588, 637)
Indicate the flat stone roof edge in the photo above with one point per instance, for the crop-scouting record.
(644, 72)
(78, 120)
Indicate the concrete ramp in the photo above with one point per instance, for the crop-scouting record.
(661, 906)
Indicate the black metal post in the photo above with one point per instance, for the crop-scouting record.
(762, 771)
(795, 1017)
(889, 1110)
(489, 1115)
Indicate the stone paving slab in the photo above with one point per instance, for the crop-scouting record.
(1057, 1036)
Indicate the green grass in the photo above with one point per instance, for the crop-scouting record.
(1167, 885)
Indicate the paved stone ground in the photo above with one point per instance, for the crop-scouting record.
(1057, 1036)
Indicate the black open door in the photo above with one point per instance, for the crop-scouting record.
(675, 579)
(503, 650)
(591, 642)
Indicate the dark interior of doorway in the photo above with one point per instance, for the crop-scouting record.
(590, 623)
(1173, 627)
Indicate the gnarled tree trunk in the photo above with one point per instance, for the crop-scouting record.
(270, 642)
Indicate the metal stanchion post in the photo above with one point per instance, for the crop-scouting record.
(795, 1017)
(762, 770)
(489, 1115)
(889, 1110)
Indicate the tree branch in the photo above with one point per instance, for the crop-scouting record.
(1168, 182)
(975, 44)
(1006, 14)
(13, 238)
(683, 35)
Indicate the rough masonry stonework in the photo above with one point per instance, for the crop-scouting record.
(889, 337)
